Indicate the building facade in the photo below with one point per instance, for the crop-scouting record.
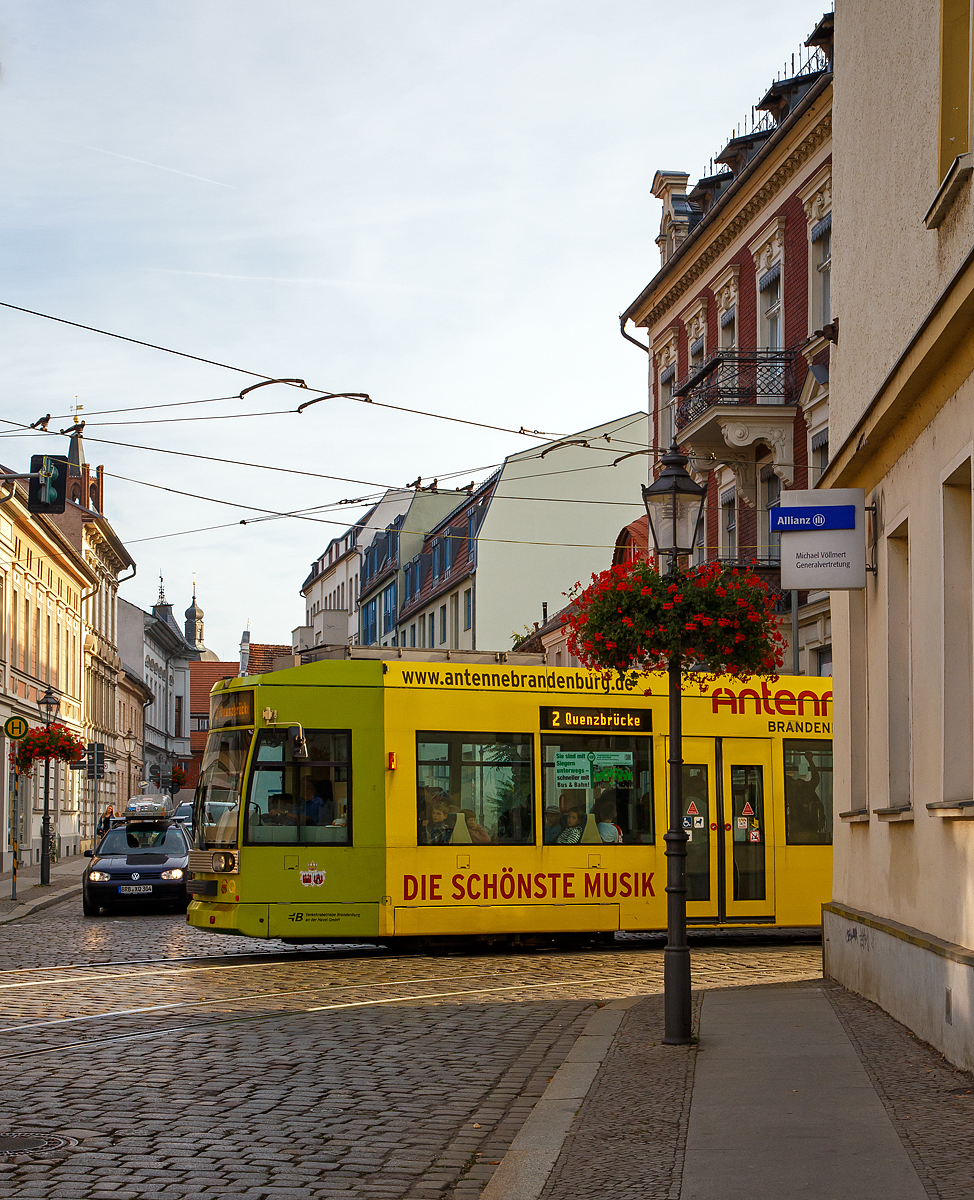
(331, 590)
(504, 556)
(42, 581)
(900, 929)
(382, 578)
(84, 523)
(132, 696)
(155, 641)
(739, 325)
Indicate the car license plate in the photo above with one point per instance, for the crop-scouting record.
(134, 889)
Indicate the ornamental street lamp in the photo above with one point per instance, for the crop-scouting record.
(49, 704)
(675, 507)
(128, 745)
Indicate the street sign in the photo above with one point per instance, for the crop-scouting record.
(15, 728)
(823, 539)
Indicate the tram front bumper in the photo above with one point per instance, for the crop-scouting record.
(247, 919)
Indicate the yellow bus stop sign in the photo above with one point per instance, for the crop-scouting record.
(15, 728)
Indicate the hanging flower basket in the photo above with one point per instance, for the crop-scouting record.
(54, 741)
(178, 779)
(719, 620)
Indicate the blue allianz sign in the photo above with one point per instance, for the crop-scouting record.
(811, 519)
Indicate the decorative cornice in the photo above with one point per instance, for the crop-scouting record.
(769, 246)
(695, 318)
(775, 183)
(816, 195)
(664, 348)
(725, 288)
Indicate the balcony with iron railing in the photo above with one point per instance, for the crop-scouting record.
(736, 377)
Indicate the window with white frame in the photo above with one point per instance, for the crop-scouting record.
(728, 525)
(771, 494)
(769, 307)
(667, 422)
(728, 329)
(821, 260)
(820, 454)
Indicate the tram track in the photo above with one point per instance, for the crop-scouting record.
(185, 1030)
(621, 982)
(124, 1012)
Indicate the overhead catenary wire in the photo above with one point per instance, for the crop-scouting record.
(324, 393)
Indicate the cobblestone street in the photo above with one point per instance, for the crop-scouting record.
(357, 1075)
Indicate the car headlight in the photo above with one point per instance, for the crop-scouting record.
(99, 876)
(224, 862)
(175, 873)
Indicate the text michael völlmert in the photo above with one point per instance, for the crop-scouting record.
(820, 558)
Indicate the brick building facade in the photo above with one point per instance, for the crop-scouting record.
(739, 326)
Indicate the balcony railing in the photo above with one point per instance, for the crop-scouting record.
(736, 377)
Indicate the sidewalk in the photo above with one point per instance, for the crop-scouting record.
(792, 1091)
(31, 897)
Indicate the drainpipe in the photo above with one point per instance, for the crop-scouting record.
(622, 329)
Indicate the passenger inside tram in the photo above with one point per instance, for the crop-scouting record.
(571, 835)
(605, 816)
(553, 824)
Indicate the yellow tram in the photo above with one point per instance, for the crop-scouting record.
(378, 798)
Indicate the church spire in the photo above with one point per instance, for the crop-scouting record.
(194, 623)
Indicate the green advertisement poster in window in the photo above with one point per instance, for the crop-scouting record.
(574, 769)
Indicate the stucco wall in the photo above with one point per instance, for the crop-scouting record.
(516, 570)
(920, 873)
(887, 267)
(909, 980)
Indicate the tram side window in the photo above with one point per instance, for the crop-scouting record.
(808, 792)
(597, 789)
(305, 802)
(475, 788)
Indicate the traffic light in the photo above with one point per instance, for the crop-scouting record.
(95, 760)
(48, 485)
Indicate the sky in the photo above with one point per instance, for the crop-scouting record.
(442, 205)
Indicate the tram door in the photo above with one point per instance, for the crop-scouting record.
(727, 814)
(700, 820)
(748, 833)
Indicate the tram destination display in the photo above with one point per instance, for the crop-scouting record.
(232, 708)
(600, 720)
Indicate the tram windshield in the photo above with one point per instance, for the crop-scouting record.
(217, 805)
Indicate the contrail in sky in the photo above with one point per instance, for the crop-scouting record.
(158, 166)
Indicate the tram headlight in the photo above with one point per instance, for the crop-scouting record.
(224, 862)
(99, 876)
(175, 873)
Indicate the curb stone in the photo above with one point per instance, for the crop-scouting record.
(25, 910)
(524, 1169)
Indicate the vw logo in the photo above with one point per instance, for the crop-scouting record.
(135, 874)
(818, 519)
